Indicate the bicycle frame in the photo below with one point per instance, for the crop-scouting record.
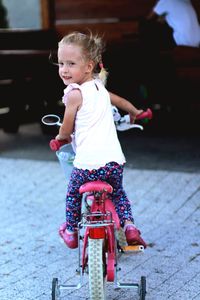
(100, 223)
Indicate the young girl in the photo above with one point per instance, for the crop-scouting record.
(88, 123)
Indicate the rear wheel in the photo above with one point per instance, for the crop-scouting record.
(97, 276)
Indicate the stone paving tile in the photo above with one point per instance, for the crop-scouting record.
(166, 209)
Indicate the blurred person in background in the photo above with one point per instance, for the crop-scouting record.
(181, 17)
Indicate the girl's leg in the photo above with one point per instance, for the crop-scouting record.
(119, 197)
(113, 174)
(73, 200)
(122, 206)
(68, 230)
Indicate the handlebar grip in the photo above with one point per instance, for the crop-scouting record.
(145, 115)
(56, 144)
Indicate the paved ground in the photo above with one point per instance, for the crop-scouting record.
(162, 180)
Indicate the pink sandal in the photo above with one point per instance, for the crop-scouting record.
(70, 238)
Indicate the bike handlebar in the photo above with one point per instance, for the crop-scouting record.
(145, 115)
(56, 144)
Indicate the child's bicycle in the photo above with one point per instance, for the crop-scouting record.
(101, 240)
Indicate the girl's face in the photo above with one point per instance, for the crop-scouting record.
(73, 67)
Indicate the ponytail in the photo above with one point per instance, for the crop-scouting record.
(103, 74)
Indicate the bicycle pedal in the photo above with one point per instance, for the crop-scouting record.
(133, 248)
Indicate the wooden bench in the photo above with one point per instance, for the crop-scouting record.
(186, 61)
(174, 77)
(117, 21)
(28, 82)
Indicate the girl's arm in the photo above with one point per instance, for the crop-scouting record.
(125, 105)
(73, 104)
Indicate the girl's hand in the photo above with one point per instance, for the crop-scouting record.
(133, 115)
(67, 140)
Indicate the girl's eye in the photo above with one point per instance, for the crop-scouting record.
(60, 64)
(69, 64)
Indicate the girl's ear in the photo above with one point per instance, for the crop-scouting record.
(90, 66)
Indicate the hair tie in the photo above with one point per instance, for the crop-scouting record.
(101, 65)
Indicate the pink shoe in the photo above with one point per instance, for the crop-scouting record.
(70, 238)
(133, 235)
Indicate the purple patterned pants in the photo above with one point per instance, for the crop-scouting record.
(112, 173)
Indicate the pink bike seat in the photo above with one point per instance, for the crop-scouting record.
(95, 186)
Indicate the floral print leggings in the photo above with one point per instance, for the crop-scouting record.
(112, 173)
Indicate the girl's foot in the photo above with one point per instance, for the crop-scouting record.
(70, 238)
(133, 235)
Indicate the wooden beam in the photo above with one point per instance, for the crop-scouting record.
(47, 13)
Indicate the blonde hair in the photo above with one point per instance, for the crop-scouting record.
(92, 47)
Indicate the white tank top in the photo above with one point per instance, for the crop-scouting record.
(95, 140)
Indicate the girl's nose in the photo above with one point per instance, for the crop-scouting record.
(65, 68)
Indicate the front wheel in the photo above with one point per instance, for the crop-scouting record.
(97, 278)
(143, 288)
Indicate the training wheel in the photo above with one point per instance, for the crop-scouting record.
(55, 289)
(142, 288)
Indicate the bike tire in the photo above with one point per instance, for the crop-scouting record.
(97, 276)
